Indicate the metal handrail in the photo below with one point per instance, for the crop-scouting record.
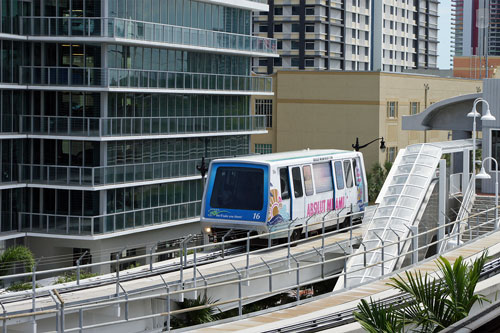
(121, 300)
(122, 127)
(144, 31)
(141, 79)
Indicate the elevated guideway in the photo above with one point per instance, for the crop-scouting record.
(402, 202)
(138, 305)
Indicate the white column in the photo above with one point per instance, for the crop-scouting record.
(443, 196)
(465, 176)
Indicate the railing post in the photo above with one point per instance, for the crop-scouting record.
(240, 305)
(194, 273)
(383, 252)
(288, 243)
(414, 244)
(224, 241)
(168, 308)
(322, 256)
(78, 268)
(248, 253)
(51, 293)
(118, 255)
(270, 275)
(4, 327)
(345, 264)
(151, 257)
(297, 277)
(364, 254)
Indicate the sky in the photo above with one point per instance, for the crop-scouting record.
(444, 34)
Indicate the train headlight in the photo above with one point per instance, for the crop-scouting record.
(208, 230)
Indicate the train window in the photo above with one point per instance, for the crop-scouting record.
(322, 177)
(284, 184)
(308, 182)
(339, 176)
(297, 183)
(357, 171)
(348, 173)
(238, 188)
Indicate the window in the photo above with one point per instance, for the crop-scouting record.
(280, 45)
(264, 107)
(308, 183)
(278, 27)
(263, 62)
(353, 33)
(295, 10)
(278, 10)
(322, 177)
(295, 45)
(348, 174)
(495, 146)
(309, 27)
(392, 109)
(309, 62)
(278, 62)
(309, 45)
(339, 176)
(238, 188)
(295, 27)
(391, 154)
(284, 184)
(357, 172)
(414, 108)
(297, 183)
(309, 10)
(263, 148)
(295, 62)
(263, 28)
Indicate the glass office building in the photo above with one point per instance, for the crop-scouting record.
(108, 106)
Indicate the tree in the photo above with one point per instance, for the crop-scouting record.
(16, 255)
(376, 178)
(435, 303)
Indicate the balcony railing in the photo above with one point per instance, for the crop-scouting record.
(95, 225)
(144, 31)
(106, 127)
(107, 175)
(141, 79)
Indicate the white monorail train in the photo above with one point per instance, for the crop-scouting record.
(264, 193)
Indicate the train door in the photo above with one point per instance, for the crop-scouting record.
(350, 189)
(340, 195)
(298, 204)
(285, 193)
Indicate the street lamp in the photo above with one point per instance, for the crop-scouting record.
(357, 147)
(483, 175)
(474, 114)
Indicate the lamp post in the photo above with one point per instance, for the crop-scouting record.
(474, 114)
(357, 147)
(483, 175)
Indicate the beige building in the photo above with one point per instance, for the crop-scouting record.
(330, 109)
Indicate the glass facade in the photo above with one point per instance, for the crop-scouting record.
(92, 138)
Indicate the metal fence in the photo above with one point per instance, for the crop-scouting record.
(201, 284)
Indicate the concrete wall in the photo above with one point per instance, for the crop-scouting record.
(101, 249)
(330, 109)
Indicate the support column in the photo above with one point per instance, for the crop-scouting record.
(443, 196)
(465, 170)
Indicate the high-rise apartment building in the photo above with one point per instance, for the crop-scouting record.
(476, 27)
(388, 35)
(108, 106)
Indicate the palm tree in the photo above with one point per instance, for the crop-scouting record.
(436, 302)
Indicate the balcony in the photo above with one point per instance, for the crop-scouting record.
(115, 128)
(108, 175)
(142, 80)
(99, 225)
(141, 31)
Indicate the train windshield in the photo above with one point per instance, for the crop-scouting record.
(238, 188)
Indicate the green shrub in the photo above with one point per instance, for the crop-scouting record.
(70, 277)
(16, 255)
(20, 286)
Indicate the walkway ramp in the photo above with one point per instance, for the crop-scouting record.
(401, 200)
